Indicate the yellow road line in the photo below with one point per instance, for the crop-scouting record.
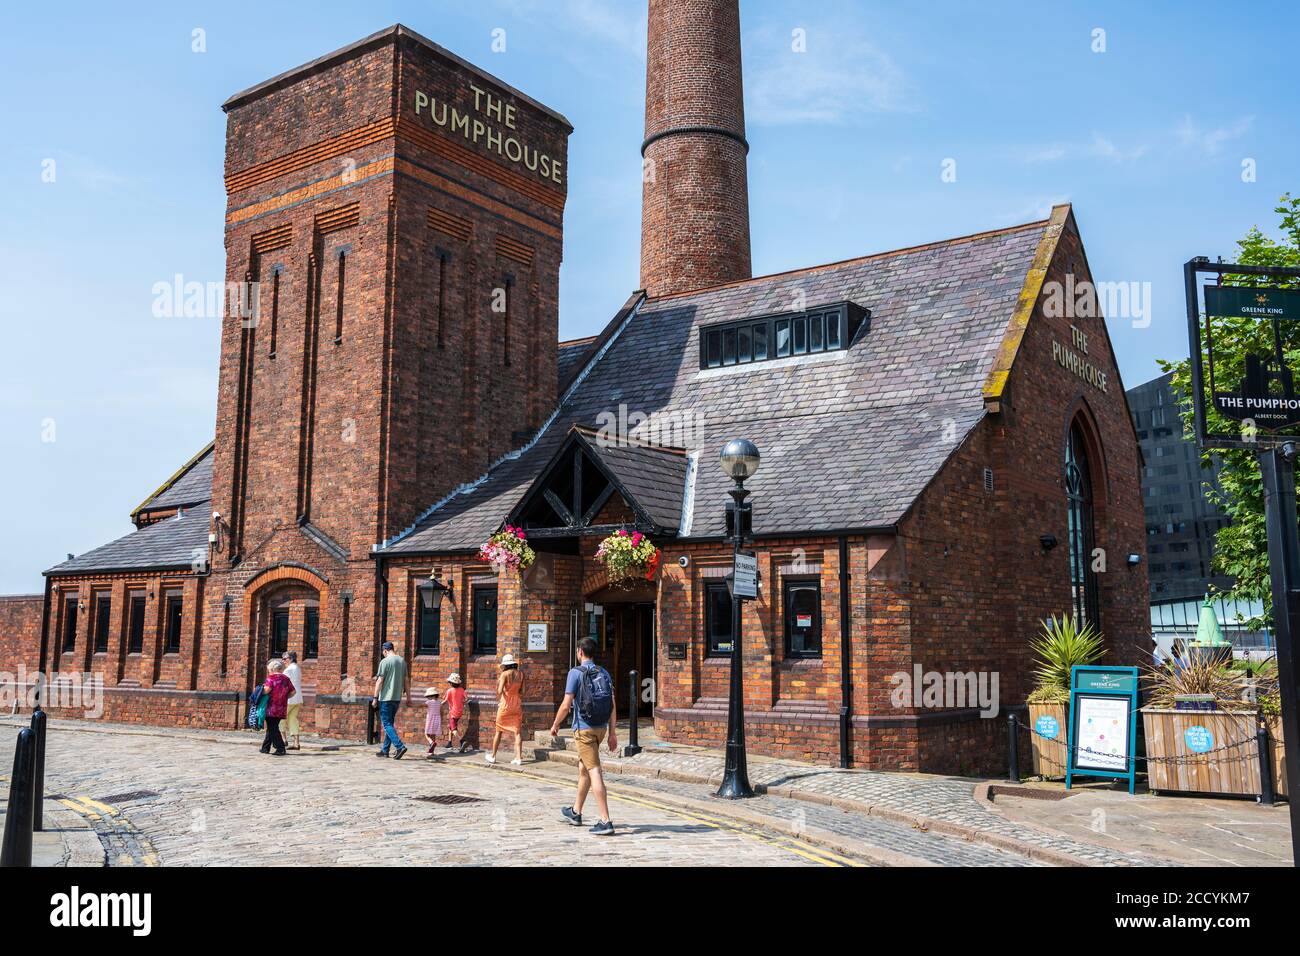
(790, 844)
(116, 823)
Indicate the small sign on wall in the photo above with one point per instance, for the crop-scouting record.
(677, 652)
(537, 638)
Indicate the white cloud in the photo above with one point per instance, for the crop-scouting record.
(1105, 149)
(1044, 154)
(841, 77)
(620, 26)
(1209, 141)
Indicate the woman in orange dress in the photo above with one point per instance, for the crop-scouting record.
(510, 709)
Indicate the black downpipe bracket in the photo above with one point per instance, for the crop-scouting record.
(846, 657)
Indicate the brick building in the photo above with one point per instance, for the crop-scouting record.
(942, 454)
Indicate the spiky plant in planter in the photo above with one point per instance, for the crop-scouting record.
(1194, 677)
(1062, 644)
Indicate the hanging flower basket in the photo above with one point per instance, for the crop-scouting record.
(508, 550)
(628, 557)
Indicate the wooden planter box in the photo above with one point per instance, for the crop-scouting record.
(1049, 755)
(1277, 755)
(1231, 771)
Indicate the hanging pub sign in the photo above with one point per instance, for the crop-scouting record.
(1242, 327)
(1103, 723)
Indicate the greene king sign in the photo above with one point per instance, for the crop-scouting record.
(1229, 301)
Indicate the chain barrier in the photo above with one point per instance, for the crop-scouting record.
(1178, 760)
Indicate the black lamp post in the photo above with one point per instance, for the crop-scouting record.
(739, 461)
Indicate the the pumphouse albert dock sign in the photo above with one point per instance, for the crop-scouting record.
(1266, 394)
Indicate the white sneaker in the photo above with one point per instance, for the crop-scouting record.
(489, 758)
(517, 762)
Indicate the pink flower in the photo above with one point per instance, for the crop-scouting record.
(636, 538)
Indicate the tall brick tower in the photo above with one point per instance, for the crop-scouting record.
(401, 212)
(695, 196)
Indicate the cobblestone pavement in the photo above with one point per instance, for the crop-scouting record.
(199, 799)
(917, 844)
(936, 798)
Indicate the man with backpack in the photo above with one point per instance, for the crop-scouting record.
(589, 694)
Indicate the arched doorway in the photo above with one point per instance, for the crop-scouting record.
(288, 619)
(286, 615)
(286, 607)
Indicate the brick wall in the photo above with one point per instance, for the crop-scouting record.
(959, 531)
(20, 632)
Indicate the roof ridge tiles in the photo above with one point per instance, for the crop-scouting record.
(854, 260)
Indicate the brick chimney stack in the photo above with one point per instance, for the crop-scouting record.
(695, 195)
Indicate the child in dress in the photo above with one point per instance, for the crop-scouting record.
(456, 721)
(433, 719)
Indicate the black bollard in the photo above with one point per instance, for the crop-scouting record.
(17, 849)
(38, 770)
(372, 711)
(1266, 797)
(632, 748)
(1013, 749)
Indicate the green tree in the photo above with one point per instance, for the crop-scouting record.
(1241, 548)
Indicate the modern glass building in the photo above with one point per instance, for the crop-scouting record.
(1181, 523)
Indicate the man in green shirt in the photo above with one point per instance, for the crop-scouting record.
(390, 691)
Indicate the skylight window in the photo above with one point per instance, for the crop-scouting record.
(789, 334)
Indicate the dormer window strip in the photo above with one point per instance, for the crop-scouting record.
(783, 335)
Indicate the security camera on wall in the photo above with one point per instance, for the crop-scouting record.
(684, 560)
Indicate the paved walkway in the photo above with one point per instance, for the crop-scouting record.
(939, 803)
(198, 799)
(151, 795)
(1196, 831)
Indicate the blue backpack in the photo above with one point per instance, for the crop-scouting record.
(257, 702)
(595, 697)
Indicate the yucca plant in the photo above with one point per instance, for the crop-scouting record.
(1062, 643)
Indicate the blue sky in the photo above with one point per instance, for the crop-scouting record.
(848, 139)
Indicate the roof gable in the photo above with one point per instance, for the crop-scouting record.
(190, 484)
(588, 471)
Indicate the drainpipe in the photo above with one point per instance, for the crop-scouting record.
(846, 657)
(382, 580)
(45, 638)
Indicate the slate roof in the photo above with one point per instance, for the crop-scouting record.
(169, 543)
(654, 478)
(188, 486)
(566, 361)
(848, 439)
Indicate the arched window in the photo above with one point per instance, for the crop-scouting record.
(1078, 492)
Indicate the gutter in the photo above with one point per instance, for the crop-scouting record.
(772, 535)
